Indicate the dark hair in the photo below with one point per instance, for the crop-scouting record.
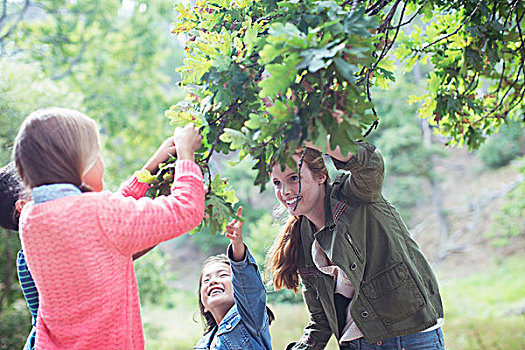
(283, 255)
(208, 320)
(11, 189)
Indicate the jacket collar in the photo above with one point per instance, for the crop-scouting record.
(229, 321)
(46, 193)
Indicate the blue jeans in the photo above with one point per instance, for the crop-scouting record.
(432, 340)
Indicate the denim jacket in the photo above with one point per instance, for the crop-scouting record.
(245, 326)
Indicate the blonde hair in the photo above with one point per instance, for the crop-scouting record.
(283, 255)
(55, 145)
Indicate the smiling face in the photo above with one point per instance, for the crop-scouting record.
(311, 198)
(216, 289)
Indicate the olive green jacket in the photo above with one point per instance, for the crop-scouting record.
(396, 292)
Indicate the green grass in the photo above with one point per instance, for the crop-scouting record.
(480, 313)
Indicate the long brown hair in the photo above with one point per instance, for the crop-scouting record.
(206, 315)
(283, 255)
(55, 145)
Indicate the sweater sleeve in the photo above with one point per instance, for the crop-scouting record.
(28, 285)
(133, 188)
(136, 224)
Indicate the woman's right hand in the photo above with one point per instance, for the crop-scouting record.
(187, 140)
(336, 153)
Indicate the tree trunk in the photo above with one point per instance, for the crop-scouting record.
(437, 194)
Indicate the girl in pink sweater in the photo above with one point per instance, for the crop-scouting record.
(79, 241)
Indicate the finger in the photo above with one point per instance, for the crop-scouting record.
(231, 228)
(231, 235)
(235, 224)
(239, 211)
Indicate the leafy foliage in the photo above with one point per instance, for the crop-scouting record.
(153, 286)
(477, 49)
(264, 76)
(113, 56)
(502, 148)
(23, 88)
(15, 325)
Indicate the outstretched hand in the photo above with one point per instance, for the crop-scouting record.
(234, 234)
(335, 153)
(163, 153)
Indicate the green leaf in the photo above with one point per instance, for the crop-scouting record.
(235, 138)
(254, 122)
(321, 139)
(145, 176)
(281, 76)
(345, 69)
(281, 110)
(315, 59)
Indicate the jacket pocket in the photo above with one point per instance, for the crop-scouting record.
(393, 293)
(237, 338)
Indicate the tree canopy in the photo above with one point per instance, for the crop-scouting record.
(265, 76)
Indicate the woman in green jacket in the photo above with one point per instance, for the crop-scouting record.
(364, 278)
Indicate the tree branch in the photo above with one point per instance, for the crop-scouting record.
(382, 27)
(4, 12)
(376, 7)
(17, 22)
(454, 32)
(411, 18)
(513, 6)
(505, 95)
(224, 121)
(384, 51)
(73, 62)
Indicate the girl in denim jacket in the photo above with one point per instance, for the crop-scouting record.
(232, 298)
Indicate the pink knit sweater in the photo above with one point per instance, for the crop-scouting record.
(79, 250)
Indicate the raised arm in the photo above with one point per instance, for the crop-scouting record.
(28, 285)
(248, 288)
(368, 171)
(136, 190)
(134, 225)
(367, 168)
